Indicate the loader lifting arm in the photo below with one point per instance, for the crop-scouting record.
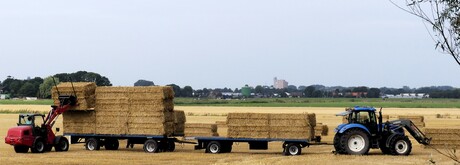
(413, 130)
(65, 103)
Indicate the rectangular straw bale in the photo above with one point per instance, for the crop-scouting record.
(289, 129)
(221, 123)
(442, 131)
(287, 122)
(165, 92)
(288, 116)
(239, 134)
(248, 116)
(202, 134)
(247, 122)
(291, 135)
(166, 129)
(249, 129)
(179, 116)
(179, 128)
(311, 119)
(79, 122)
(413, 118)
(84, 91)
(201, 126)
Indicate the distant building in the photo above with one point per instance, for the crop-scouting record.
(408, 96)
(279, 84)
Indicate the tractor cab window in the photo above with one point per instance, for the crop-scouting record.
(363, 117)
(39, 121)
(26, 120)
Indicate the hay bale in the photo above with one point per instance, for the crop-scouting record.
(413, 118)
(179, 128)
(79, 122)
(166, 129)
(247, 122)
(221, 123)
(236, 134)
(85, 93)
(200, 129)
(248, 116)
(179, 116)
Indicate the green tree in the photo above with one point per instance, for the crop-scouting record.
(84, 76)
(144, 83)
(46, 86)
(259, 89)
(444, 18)
(309, 91)
(187, 91)
(27, 90)
(373, 93)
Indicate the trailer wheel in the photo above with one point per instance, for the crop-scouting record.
(292, 149)
(62, 145)
(400, 145)
(170, 146)
(92, 144)
(214, 147)
(355, 142)
(21, 149)
(38, 146)
(151, 146)
(111, 144)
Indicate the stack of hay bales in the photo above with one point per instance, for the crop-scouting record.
(85, 92)
(179, 122)
(321, 130)
(265, 125)
(135, 110)
(200, 129)
(445, 138)
(418, 120)
(82, 122)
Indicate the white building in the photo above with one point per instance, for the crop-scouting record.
(279, 84)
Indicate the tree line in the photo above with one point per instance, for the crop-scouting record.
(41, 87)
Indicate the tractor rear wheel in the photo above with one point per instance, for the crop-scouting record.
(111, 144)
(92, 144)
(62, 145)
(400, 145)
(355, 142)
(21, 149)
(338, 147)
(38, 146)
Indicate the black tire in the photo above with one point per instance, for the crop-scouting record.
(151, 146)
(355, 142)
(92, 144)
(21, 149)
(292, 149)
(382, 145)
(38, 146)
(111, 144)
(48, 148)
(400, 145)
(214, 147)
(227, 148)
(62, 145)
(170, 146)
(337, 145)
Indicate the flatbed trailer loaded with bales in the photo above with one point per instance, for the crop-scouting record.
(296, 131)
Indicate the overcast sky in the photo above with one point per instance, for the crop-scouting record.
(208, 43)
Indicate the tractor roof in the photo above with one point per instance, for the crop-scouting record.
(356, 108)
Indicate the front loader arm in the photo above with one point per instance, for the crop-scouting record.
(413, 130)
(66, 102)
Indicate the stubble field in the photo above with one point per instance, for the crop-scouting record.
(185, 154)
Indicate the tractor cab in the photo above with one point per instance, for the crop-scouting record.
(361, 116)
(35, 121)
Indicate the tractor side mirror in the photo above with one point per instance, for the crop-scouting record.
(57, 129)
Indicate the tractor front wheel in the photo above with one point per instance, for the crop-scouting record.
(21, 149)
(400, 145)
(355, 142)
(39, 146)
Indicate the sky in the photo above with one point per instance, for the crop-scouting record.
(216, 44)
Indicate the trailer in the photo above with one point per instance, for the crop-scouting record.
(151, 143)
(217, 145)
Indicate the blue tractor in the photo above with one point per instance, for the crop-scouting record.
(365, 130)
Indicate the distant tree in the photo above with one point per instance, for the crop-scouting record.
(259, 89)
(27, 90)
(317, 94)
(373, 93)
(144, 83)
(84, 76)
(177, 90)
(443, 17)
(360, 89)
(46, 86)
(187, 91)
(301, 88)
(291, 88)
(308, 92)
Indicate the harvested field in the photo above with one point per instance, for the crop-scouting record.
(240, 153)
